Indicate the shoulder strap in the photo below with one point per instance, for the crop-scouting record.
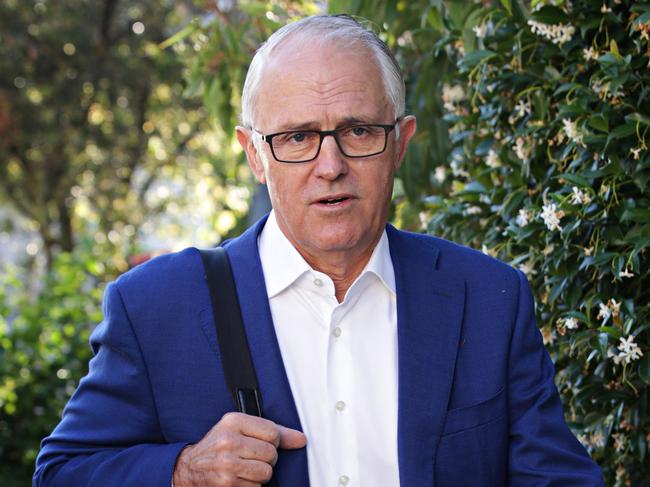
(236, 358)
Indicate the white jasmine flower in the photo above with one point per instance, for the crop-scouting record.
(625, 273)
(524, 217)
(424, 219)
(551, 216)
(492, 159)
(590, 54)
(520, 149)
(612, 308)
(580, 197)
(604, 312)
(558, 34)
(522, 108)
(628, 351)
(548, 336)
(440, 174)
(636, 153)
(455, 167)
(619, 441)
(571, 323)
(605, 9)
(564, 324)
(528, 268)
(451, 95)
(480, 30)
(572, 131)
(473, 210)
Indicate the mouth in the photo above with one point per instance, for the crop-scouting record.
(334, 200)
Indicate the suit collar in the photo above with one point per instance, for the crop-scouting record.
(429, 314)
(277, 401)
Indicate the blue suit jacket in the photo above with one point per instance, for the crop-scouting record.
(477, 403)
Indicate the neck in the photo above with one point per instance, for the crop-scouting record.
(342, 267)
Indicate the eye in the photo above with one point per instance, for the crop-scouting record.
(359, 131)
(298, 137)
(292, 138)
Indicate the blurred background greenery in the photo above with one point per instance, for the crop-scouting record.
(116, 143)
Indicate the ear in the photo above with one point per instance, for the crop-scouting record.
(407, 128)
(245, 138)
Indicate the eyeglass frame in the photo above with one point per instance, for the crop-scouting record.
(388, 128)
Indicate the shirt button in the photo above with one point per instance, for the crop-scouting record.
(336, 332)
(344, 480)
(340, 406)
(318, 282)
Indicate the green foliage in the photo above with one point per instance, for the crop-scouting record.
(43, 353)
(548, 169)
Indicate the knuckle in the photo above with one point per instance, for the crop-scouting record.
(229, 419)
(228, 466)
(227, 442)
(266, 472)
(270, 454)
(275, 437)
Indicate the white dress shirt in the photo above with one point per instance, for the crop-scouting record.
(341, 361)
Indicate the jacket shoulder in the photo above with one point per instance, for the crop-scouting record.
(164, 275)
(469, 263)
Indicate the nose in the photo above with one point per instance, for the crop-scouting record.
(330, 163)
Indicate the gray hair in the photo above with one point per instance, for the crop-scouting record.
(326, 28)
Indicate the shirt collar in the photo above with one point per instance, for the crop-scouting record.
(283, 264)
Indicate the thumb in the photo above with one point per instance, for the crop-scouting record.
(291, 439)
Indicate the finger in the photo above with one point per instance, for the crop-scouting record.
(290, 438)
(252, 426)
(255, 471)
(254, 449)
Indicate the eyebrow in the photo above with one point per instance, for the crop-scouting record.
(315, 125)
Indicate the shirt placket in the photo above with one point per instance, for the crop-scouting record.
(341, 401)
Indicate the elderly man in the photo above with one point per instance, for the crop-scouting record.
(384, 358)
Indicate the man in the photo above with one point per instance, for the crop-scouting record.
(384, 358)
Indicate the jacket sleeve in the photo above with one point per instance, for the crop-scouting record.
(542, 449)
(109, 434)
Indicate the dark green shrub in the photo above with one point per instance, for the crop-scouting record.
(43, 353)
(549, 167)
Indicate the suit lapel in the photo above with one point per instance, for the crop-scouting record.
(429, 314)
(277, 401)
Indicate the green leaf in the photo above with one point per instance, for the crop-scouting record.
(593, 420)
(473, 187)
(644, 368)
(622, 131)
(641, 215)
(550, 15)
(611, 331)
(180, 35)
(637, 117)
(574, 179)
(507, 4)
(599, 122)
(475, 57)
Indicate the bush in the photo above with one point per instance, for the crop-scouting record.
(549, 170)
(43, 353)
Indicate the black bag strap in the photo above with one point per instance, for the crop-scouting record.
(236, 360)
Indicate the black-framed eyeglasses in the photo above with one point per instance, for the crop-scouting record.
(355, 141)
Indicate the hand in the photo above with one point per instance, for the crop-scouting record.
(240, 450)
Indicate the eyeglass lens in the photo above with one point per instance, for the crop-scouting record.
(356, 141)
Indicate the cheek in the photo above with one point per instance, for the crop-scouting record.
(285, 188)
